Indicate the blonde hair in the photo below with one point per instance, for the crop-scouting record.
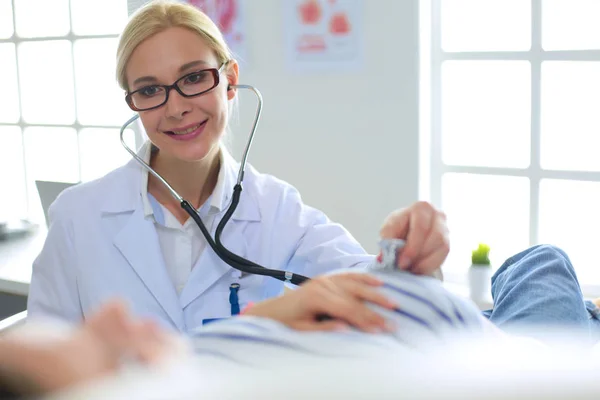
(157, 16)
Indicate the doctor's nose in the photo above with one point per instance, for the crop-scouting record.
(177, 105)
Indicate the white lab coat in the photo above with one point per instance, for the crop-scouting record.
(100, 247)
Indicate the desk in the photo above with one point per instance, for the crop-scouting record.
(16, 258)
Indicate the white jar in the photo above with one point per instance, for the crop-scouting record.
(480, 282)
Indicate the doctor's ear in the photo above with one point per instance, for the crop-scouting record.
(232, 74)
(231, 91)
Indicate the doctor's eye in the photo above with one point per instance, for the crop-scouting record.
(150, 91)
(196, 78)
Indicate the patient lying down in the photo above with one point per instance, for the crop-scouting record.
(415, 314)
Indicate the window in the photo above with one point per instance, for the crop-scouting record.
(61, 108)
(512, 100)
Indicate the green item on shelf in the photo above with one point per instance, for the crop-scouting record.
(480, 256)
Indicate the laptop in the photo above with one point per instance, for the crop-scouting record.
(48, 192)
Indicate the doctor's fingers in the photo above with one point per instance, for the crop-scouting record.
(398, 223)
(331, 281)
(395, 225)
(421, 224)
(359, 286)
(320, 326)
(411, 224)
(348, 305)
(434, 252)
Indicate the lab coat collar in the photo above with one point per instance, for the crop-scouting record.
(129, 197)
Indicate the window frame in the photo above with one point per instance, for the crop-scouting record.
(72, 38)
(432, 166)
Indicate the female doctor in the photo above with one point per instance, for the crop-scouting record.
(124, 236)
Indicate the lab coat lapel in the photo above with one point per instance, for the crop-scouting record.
(210, 268)
(139, 244)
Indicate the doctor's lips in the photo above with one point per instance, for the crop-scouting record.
(187, 132)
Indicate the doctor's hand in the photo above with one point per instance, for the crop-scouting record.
(426, 234)
(340, 296)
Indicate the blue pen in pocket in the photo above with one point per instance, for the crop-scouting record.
(234, 299)
(234, 302)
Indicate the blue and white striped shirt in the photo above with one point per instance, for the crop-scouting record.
(427, 314)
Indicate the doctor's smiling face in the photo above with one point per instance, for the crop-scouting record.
(187, 128)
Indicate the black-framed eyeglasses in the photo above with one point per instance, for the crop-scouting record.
(190, 85)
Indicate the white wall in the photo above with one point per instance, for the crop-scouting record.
(347, 141)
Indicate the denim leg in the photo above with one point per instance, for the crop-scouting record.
(594, 312)
(538, 288)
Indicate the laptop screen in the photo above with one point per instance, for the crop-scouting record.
(48, 192)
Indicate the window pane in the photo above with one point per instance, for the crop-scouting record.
(486, 113)
(133, 5)
(100, 101)
(9, 98)
(40, 18)
(486, 25)
(570, 24)
(45, 100)
(98, 17)
(485, 209)
(6, 19)
(101, 151)
(569, 115)
(569, 219)
(51, 154)
(13, 205)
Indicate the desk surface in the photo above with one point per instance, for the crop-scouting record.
(16, 259)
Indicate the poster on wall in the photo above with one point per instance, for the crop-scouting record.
(229, 17)
(323, 35)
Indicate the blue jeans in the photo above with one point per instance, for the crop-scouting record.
(538, 288)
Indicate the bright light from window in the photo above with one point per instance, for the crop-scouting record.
(486, 25)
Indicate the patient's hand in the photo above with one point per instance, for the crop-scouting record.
(341, 296)
(95, 349)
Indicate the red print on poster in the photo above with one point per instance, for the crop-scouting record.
(227, 15)
(339, 24)
(324, 34)
(310, 12)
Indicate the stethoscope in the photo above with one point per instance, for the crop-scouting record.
(224, 254)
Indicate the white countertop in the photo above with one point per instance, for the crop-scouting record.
(16, 259)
